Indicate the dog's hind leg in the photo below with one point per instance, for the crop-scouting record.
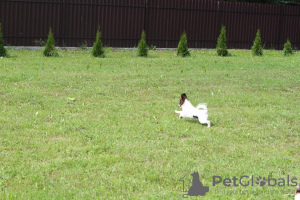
(208, 124)
(205, 122)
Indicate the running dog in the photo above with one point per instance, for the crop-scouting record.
(189, 111)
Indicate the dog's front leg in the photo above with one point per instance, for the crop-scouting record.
(179, 112)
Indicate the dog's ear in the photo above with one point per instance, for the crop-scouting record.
(182, 98)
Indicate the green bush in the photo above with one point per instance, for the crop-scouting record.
(287, 50)
(143, 47)
(222, 43)
(152, 47)
(84, 45)
(257, 49)
(182, 49)
(50, 50)
(2, 49)
(98, 50)
(39, 42)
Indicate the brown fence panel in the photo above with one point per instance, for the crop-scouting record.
(242, 20)
(121, 22)
(75, 22)
(23, 22)
(290, 27)
(168, 19)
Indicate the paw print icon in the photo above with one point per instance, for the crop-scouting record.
(261, 181)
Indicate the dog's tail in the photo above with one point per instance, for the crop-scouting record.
(202, 106)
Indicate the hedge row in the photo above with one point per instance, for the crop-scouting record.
(182, 49)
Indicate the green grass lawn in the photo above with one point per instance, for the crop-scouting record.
(78, 127)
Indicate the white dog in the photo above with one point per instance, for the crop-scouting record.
(189, 111)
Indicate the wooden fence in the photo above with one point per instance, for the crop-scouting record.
(74, 22)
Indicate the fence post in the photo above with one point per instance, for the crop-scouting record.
(146, 16)
(220, 14)
(63, 23)
(280, 28)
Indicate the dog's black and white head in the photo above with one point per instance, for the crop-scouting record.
(182, 99)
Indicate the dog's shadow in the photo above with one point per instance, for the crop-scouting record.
(194, 121)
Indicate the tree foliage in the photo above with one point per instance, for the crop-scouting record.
(257, 49)
(222, 43)
(287, 50)
(143, 47)
(182, 49)
(97, 50)
(50, 50)
(279, 2)
(3, 52)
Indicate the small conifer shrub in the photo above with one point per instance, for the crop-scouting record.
(142, 47)
(50, 50)
(182, 49)
(3, 52)
(98, 50)
(287, 50)
(257, 49)
(222, 43)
